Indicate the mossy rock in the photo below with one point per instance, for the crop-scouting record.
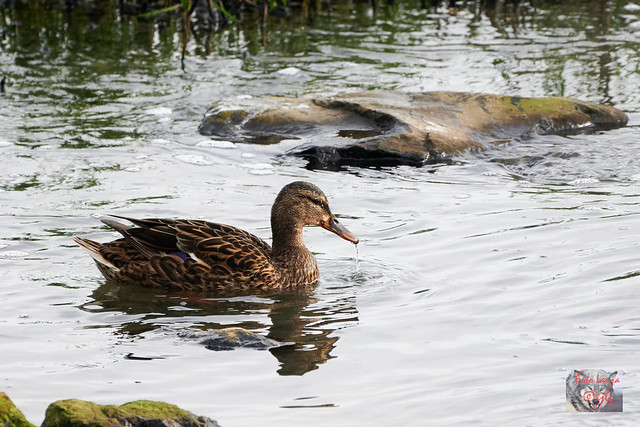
(77, 413)
(388, 128)
(230, 339)
(10, 416)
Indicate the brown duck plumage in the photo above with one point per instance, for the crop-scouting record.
(200, 255)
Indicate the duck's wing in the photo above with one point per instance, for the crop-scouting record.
(156, 236)
(202, 250)
(216, 257)
(224, 247)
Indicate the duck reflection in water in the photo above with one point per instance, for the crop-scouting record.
(305, 318)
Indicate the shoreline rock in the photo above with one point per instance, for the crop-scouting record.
(10, 415)
(78, 413)
(140, 413)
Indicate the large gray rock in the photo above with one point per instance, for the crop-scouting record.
(377, 128)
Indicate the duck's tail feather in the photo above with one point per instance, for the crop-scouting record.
(93, 248)
(148, 241)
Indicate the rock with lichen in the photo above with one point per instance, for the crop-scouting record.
(10, 416)
(141, 413)
(389, 128)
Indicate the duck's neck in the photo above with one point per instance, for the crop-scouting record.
(295, 262)
(287, 244)
(288, 252)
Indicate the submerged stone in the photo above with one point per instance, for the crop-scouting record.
(389, 128)
(141, 413)
(230, 339)
(10, 416)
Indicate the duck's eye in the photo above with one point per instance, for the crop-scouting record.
(315, 201)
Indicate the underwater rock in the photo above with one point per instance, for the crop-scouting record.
(141, 413)
(390, 128)
(230, 339)
(10, 416)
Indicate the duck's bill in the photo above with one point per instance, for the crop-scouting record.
(334, 226)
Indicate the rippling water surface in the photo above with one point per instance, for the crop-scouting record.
(480, 283)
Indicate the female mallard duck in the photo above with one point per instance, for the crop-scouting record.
(200, 255)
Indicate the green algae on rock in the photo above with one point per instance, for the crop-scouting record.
(388, 128)
(74, 412)
(10, 416)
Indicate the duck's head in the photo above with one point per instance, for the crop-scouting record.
(302, 203)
